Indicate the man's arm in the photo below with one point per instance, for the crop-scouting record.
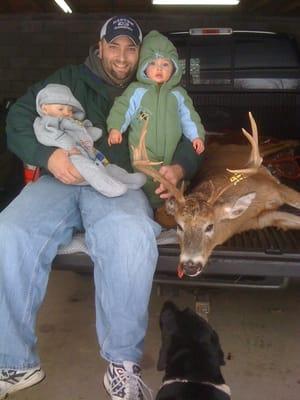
(187, 158)
(185, 164)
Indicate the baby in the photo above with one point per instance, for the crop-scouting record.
(62, 124)
(158, 97)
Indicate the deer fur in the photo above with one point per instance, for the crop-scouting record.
(236, 193)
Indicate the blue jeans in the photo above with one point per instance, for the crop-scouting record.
(120, 235)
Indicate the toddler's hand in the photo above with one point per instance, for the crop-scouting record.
(114, 137)
(198, 145)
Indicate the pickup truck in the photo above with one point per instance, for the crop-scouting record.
(228, 73)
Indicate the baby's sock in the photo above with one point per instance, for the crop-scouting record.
(98, 177)
(133, 181)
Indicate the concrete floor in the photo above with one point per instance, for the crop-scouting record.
(259, 332)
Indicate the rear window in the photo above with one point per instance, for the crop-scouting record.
(265, 52)
(206, 55)
(222, 61)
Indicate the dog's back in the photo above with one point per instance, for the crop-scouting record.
(191, 357)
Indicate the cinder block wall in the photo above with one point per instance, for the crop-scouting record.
(33, 46)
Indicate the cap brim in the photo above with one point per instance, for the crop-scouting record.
(134, 39)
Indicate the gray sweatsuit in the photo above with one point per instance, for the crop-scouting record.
(67, 133)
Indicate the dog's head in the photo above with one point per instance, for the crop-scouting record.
(189, 345)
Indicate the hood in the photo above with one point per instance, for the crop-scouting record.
(59, 94)
(156, 45)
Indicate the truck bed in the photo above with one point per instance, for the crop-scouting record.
(252, 257)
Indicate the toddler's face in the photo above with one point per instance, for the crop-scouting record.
(57, 110)
(160, 70)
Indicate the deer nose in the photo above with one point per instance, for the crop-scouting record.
(192, 269)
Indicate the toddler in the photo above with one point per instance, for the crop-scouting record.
(158, 97)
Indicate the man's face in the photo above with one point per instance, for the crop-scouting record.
(119, 58)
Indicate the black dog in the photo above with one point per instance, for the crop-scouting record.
(191, 356)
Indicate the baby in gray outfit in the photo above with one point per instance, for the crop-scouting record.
(62, 124)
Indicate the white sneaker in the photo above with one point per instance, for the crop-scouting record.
(123, 382)
(12, 380)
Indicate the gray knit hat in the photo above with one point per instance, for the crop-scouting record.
(59, 94)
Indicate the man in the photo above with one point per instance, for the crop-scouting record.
(120, 231)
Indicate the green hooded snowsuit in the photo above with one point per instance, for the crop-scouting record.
(169, 109)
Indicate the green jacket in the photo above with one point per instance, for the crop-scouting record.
(168, 107)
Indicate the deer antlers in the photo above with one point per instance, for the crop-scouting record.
(142, 163)
(254, 162)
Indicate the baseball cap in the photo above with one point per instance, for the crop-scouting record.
(121, 26)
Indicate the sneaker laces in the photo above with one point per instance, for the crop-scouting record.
(134, 383)
(11, 375)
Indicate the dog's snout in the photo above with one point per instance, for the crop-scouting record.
(192, 269)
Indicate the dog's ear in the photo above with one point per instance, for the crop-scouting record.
(168, 323)
(168, 326)
(163, 352)
(216, 342)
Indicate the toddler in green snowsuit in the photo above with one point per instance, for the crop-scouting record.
(158, 96)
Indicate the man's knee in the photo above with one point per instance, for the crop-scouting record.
(123, 224)
(126, 228)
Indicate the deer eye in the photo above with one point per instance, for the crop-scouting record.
(209, 228)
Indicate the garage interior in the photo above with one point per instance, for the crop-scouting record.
(258, 326)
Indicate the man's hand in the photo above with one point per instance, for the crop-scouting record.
(61, 167)
(174, 173)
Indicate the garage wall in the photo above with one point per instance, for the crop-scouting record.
(31, 47)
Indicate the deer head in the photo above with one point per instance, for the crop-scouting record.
(202, 224)
(209, 215)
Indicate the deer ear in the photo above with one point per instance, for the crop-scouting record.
(239, 207)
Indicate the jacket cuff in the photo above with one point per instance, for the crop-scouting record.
(42, 156)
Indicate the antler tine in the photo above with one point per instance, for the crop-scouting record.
(140, 155)
(211, 198)
(255, 159)
(217, 194)
(143, 164)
